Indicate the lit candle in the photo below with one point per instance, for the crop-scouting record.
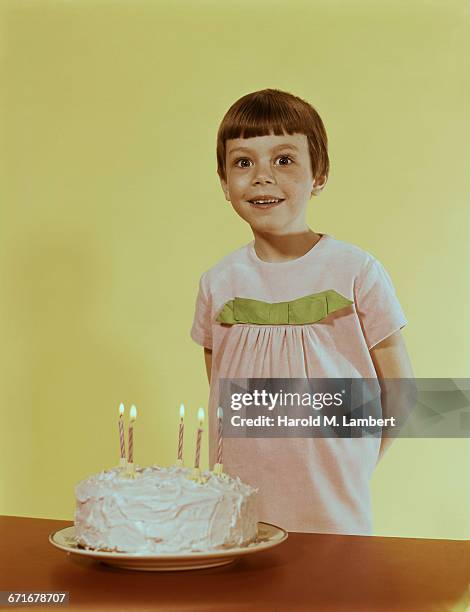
(123, 460)
(180, 436)
(219, 466)
(133, 416)
(197, 472)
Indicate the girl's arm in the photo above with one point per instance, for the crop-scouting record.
(208, 360)
(391, 360)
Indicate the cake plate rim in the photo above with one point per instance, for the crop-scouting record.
(271, 535)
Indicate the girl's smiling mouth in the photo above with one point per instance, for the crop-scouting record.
(265, 202)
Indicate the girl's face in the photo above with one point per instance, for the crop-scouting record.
(270, 167)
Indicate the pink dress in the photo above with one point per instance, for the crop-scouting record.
(305, 484)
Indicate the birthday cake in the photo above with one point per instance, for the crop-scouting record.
(164, 510)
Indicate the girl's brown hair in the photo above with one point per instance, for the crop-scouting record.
(271, 111)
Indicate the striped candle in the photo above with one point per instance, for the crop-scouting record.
(200, 416)
(181, 434)
(133, 416)
(121, 432)
(220, 414)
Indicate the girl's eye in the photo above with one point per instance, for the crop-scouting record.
(243, 162)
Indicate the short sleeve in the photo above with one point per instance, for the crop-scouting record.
(377, 304)
(201, 331)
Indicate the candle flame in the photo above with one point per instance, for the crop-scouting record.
(220, 413)
(182, 411)
(200, 415)
(133, 413)
(121, 409)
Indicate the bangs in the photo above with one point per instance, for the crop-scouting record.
(262, 116)
(271, 111)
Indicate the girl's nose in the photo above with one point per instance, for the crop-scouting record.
(263, 175)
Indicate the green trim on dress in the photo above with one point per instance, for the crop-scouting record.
(307, 309)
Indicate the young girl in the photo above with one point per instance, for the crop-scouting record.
(272, 157)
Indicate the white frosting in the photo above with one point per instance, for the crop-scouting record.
(164, 511)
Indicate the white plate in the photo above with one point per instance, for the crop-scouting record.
(268, 536)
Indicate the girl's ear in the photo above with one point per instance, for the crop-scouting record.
(223, 184)
(318, 185)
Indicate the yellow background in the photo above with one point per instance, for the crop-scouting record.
(111, 210)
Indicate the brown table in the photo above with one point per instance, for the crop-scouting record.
(307, 572)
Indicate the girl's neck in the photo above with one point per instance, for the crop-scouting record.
(275, 248)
